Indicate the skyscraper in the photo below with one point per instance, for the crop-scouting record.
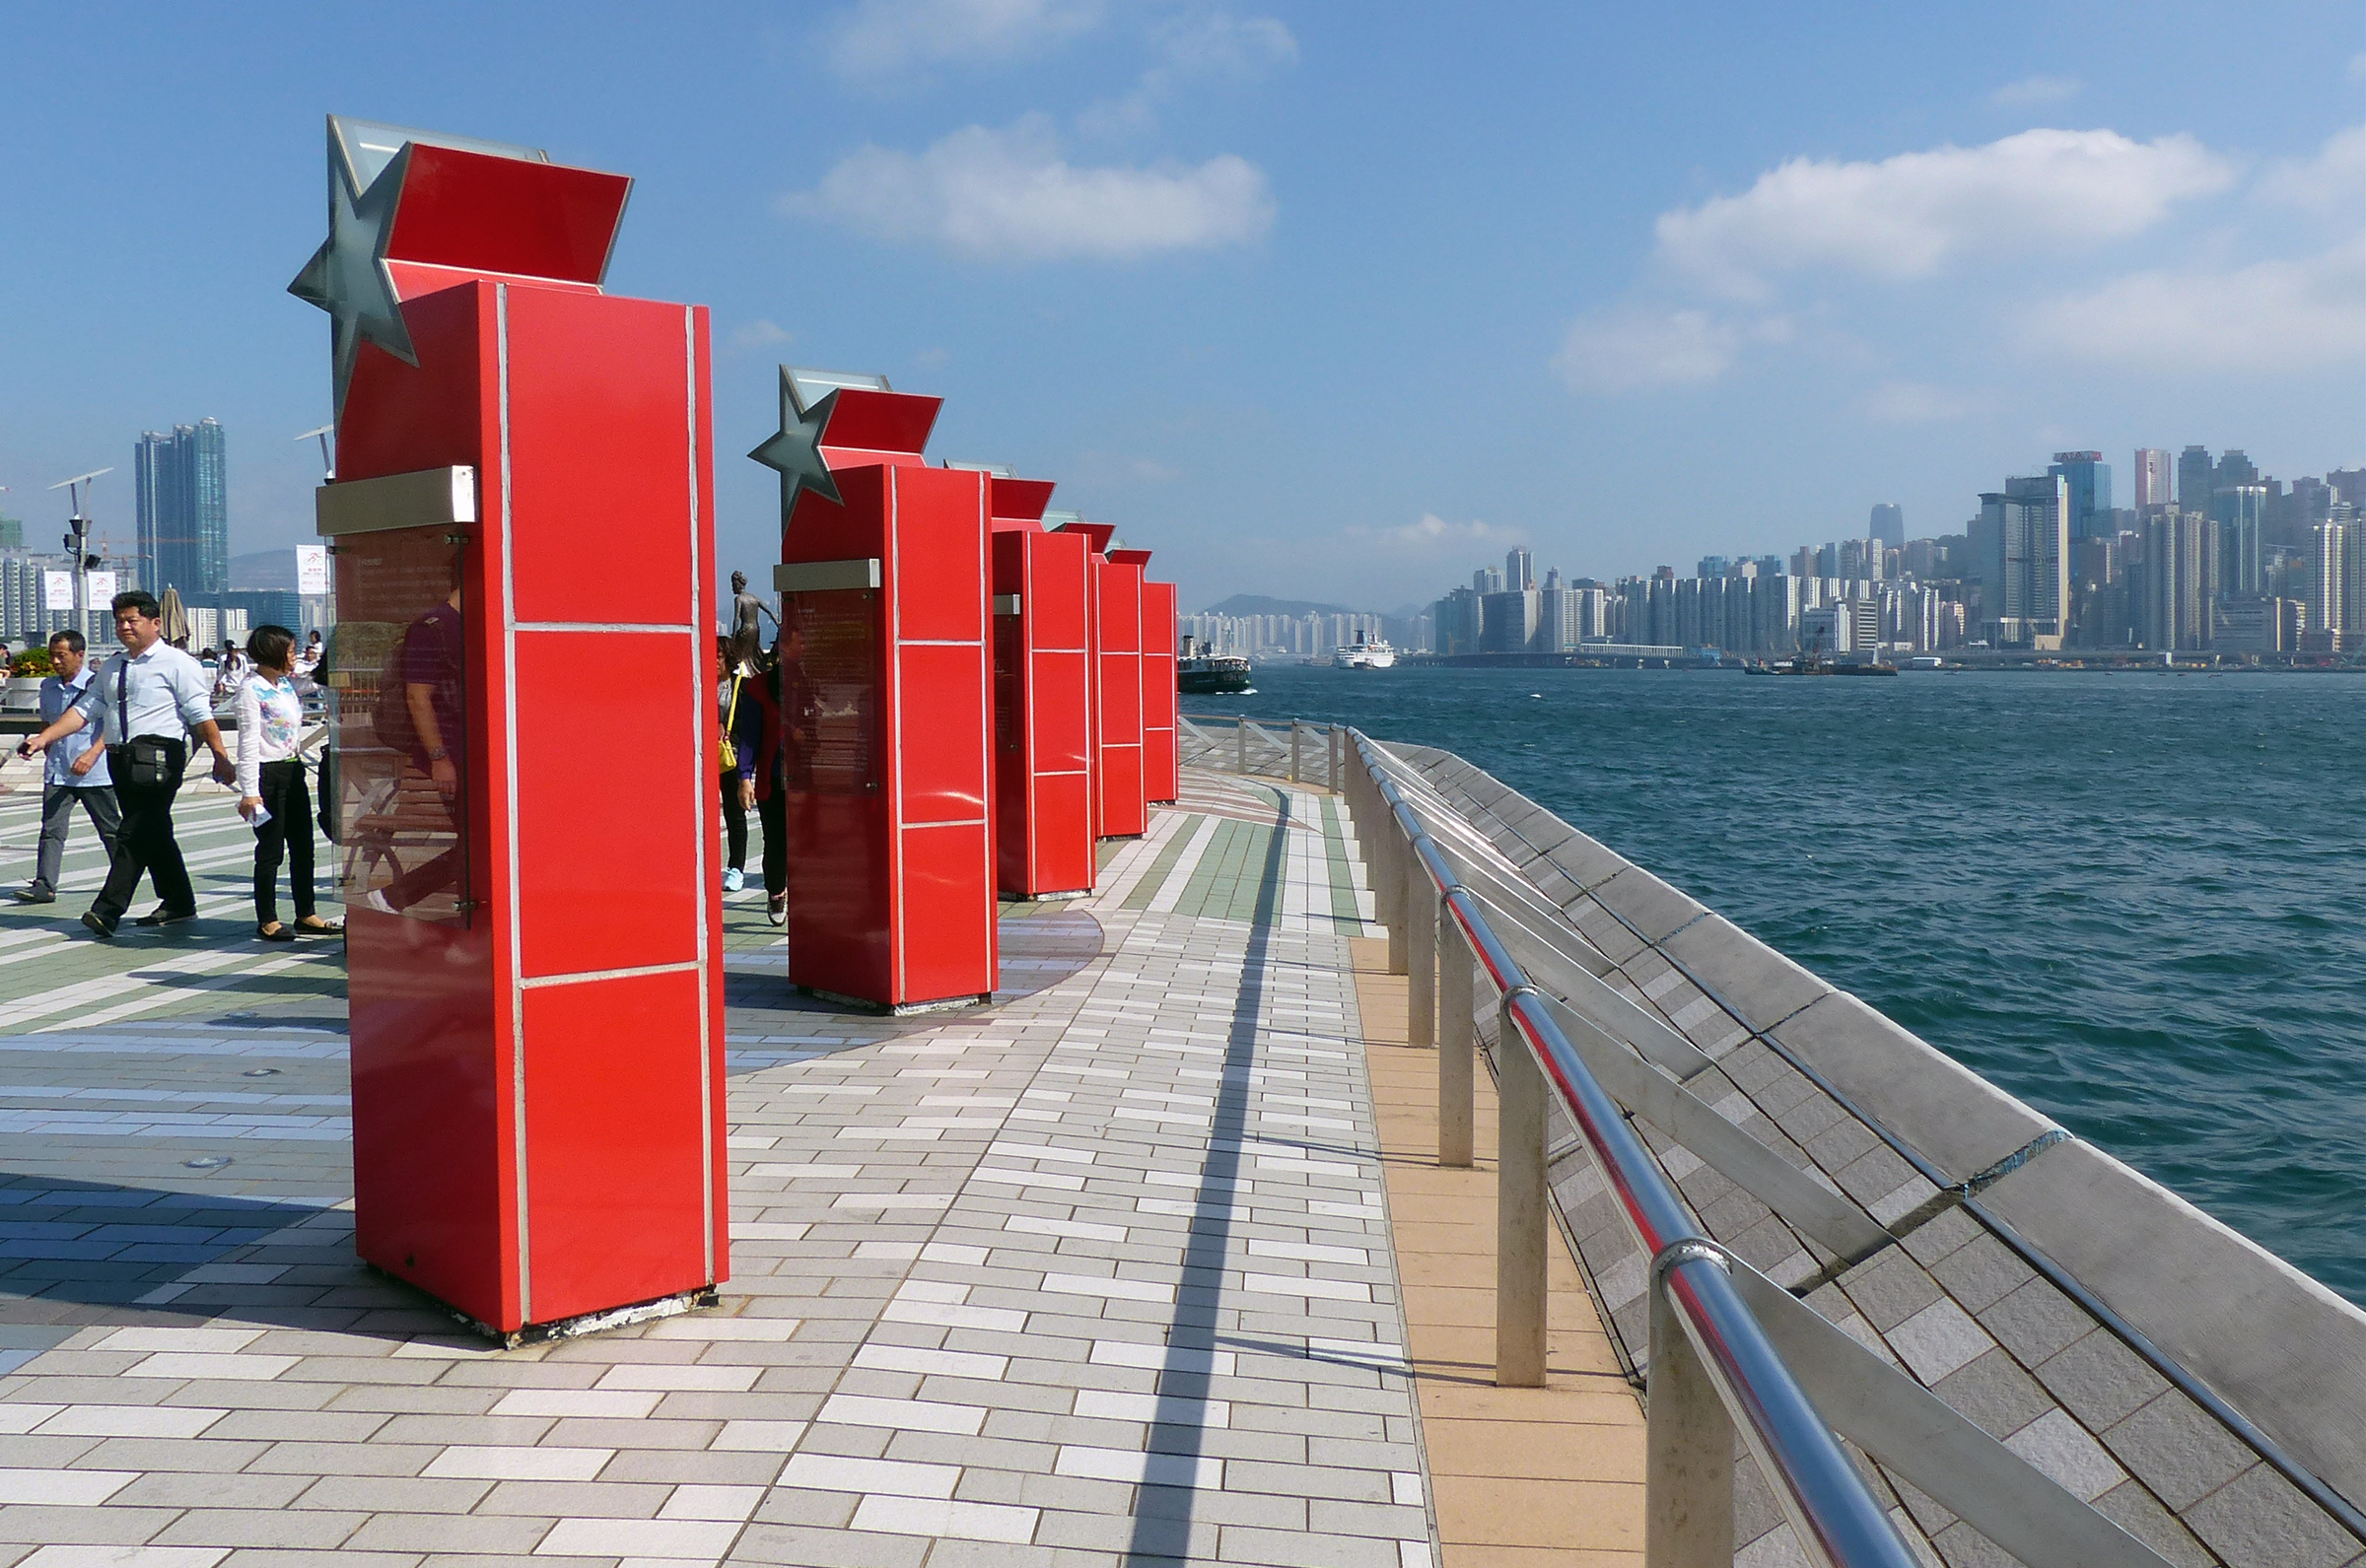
(2153, 483)
(2024, 552)
(2196, 477)
(1519, 571)
(2089, 478)
(2177, 580)
(184, 509)
(2238, 511)
(1888, 525)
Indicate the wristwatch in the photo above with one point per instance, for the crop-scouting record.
(437, 754)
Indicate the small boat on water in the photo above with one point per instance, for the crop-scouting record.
(1369, 654)
(1200, 673)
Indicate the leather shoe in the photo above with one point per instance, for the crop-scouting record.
(99, 927)
(164, 917)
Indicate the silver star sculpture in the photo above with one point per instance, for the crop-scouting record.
(348, 275)
(796, 449)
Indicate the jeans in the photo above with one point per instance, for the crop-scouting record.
(58, 801)
(289, 828)
(144, 844)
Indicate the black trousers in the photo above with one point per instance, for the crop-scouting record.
(144, 844)
(290, 829)
(773, 813)
(734, 824)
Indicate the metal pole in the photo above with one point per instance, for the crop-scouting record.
(1688, 1464)
(1457, 1000)
(1403, 868)
(1521, 1219)
(1421, 956)
(1240, 748)
(1295, 729)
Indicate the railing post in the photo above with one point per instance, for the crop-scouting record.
(1337, 744)
(1388, 883)
(1688, 1442)
(1520, 1217)
(1240, 747)
(1420, 955)
(1457, 1002)
(1403, 865)
(1295, 732)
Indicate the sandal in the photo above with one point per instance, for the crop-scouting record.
(317, 926)
(276, 931)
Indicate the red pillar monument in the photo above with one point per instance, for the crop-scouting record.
(1117, 595)
(888, 699)
(1042, 697)
(522, 523)
(1162, 772)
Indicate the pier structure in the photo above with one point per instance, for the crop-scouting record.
(1194, 1244)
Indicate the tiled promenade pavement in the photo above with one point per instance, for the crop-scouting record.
(1098, 1273)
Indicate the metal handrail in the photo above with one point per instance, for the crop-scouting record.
(1828, 1505)
(1730, 1351)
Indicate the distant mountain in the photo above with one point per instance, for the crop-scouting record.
(1259, 604)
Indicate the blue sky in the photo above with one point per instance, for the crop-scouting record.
(1333, 302)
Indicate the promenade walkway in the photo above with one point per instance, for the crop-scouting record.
(1146, 1261)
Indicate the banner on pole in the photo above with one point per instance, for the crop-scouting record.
(311, 569)
(58, 591)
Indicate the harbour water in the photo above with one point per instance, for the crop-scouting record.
(2136, 900)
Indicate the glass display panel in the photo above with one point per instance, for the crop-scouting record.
(830, 691)
(398, 694)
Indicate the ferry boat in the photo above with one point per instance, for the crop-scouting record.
(1371, 654)
(1201, 673)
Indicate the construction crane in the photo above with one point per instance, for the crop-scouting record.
(328, 467)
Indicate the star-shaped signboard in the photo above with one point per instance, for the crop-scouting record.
(796, 449)
(348, 275)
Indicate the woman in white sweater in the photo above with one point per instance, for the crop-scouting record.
(271, 792)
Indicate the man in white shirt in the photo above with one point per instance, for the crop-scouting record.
(76, 773)
(143, 703)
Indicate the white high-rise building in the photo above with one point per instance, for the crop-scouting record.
(2156, 477)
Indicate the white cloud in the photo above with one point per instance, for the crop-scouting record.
(1009, 196)
(2335, 181)
(879, 37)
(2268, 317)
(1633, 346)
(1433, 532)
(2037, 90)
(1917, 403)
(1219, 43)
(759, 334)
(1193, 48)
(1908, 216)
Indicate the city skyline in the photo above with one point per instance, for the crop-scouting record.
(1652, 323)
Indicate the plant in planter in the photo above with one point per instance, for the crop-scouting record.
(32, 663)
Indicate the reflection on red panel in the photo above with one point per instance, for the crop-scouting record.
(613, 848)
(616, 1149)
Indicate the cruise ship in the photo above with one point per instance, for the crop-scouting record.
(1373, 655)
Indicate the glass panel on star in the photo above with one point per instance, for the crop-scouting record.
(398, 686)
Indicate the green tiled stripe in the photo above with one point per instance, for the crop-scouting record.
(1163, 867)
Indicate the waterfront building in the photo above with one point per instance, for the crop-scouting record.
(2177, 584)
(1519, 570)
(2337, 610)
(1888, 524)
(2239, 513)
(1509, 621)
(2196, 477)
(184, 508)
(2267, 625)
(2024, 552)
(1456, 622)
(2153, 481)
(2089, 479)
